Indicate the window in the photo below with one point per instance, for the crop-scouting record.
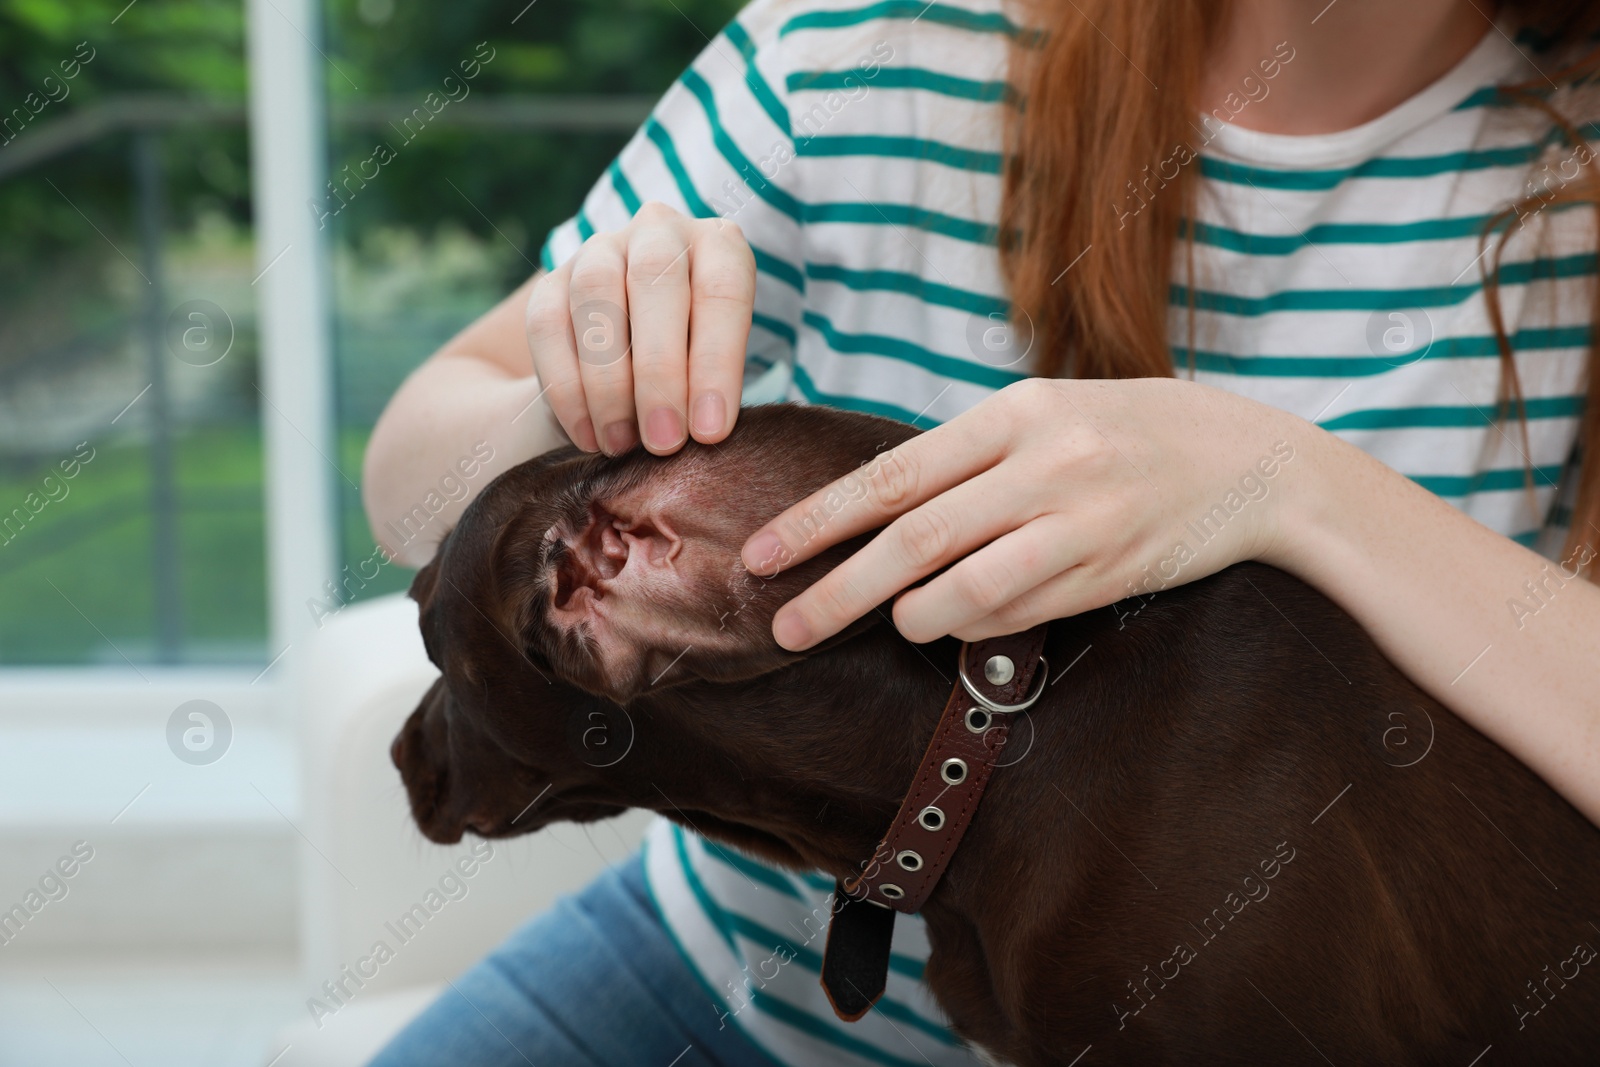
(131, 520)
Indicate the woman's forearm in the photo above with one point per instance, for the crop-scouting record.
(1450, 602)
(471, 411)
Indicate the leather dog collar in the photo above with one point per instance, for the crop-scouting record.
(996, 677)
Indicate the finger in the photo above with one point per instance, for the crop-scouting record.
(912, 546)
(723, 294)
(555, 356)
(1072, 592)
(993, 585)
(599, 307)
(890, 484)
(658, 319)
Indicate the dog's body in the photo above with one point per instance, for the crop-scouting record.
(1231, 832)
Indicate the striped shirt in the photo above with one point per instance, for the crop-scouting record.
(858, 147)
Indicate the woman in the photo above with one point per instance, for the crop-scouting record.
(1362, 229)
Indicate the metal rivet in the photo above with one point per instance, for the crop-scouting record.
(999, 670)
(953, 771)
(931, 818)
(977, 720)
(892, 891)
(909, 860)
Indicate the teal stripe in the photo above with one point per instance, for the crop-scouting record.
(911, 285)
(1384, 166)
(756, 872)
(816, 881)
(933, 81)
(766, 190)
(748, 928)
(547, 258)
(712, 909)
(811, 960)
(895, 348)
(903, 215)
(1490, 481)
(845, 402)
(914, 10)
(713, 996)
(585, 228)
(680, 175)
(730, 924)
(741, 40)
(865, 214)
(624, 188)
(1488, 96)
(949, 155)
(1552, 407)
(776, 266)
(1527, 340)
(774, 326)
(1335, 233)
(1574, 266)
(779, 268)
(1528, 538)
(752, 77)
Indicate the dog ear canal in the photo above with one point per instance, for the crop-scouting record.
(602, 550)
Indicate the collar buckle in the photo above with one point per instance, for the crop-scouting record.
(1008, 672)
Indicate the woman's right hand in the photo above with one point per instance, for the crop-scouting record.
(642, 333)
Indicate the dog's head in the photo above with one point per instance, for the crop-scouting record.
(576, 586)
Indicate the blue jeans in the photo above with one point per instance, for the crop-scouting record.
(594, 982)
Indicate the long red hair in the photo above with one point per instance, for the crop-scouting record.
(1093, 126)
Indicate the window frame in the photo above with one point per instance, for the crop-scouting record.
(288, 136)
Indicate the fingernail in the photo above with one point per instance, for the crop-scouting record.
(761, 555)
(619, 437)
(710, 413)
(792, 631)
(663, 428)
(583, 436)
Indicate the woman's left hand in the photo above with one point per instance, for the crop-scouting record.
(1050, 498)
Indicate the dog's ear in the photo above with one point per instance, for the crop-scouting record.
(642, 585)
(634, 580)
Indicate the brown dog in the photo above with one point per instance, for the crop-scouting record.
(1238, 834)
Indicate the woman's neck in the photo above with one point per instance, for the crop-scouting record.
(1353, 60)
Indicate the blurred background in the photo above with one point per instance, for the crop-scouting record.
(227, 231)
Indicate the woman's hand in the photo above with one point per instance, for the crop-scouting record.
(646, 327)
(1050, 498)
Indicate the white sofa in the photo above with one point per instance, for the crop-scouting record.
(364, 864)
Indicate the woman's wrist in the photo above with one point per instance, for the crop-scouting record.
(1329, 493)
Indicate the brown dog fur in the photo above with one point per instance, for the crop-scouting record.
(1233, 832)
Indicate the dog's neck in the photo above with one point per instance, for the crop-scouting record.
(810, 768)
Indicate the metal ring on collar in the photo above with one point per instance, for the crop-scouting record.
(1001, 709)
